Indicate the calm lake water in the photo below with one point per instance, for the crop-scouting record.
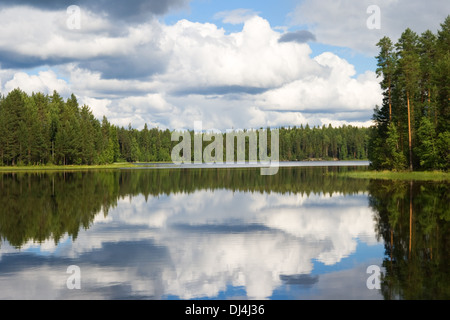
(222, 233)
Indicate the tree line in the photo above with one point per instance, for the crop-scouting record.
(411, 128)
(41, 129)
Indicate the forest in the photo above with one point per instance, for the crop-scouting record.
(411, 128)
(410, 131)
(42, 129)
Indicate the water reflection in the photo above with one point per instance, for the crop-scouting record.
(414, 224)
(216, 233)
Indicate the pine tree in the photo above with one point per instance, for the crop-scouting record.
(89, 136)
(386, 69)
(427, 53)
(442, 76)
(408, 75)
(421, 94)
(42, 128)
(145, 144)
(13, 111)
(56, 108)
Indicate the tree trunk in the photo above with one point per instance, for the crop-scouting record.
(390, 103)
(409, 133)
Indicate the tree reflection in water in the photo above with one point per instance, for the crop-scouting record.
(413, 219)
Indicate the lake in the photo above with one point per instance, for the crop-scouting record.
(222, 233)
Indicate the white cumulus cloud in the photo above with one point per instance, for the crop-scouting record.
(173, 75)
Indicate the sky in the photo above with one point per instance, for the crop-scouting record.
(229, 64)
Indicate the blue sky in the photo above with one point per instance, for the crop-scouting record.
(240, 64)
(205, 10)
(278, 13)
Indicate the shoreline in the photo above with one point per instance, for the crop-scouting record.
(399, 175)
(7, 169)
(165, 164)
(366, 174)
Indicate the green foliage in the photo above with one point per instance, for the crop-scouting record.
(443, 147)
(412, 126)
(394, 159)
(41, 130)
(323, 143)
(427, 146)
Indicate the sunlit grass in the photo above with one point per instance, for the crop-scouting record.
(116, 165)
(399, 175)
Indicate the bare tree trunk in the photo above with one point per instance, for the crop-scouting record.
(409, 133)
(390, 103)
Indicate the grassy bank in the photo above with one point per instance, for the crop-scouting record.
(399, 175)
(66, 168)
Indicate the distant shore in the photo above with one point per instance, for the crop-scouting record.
(162, 164)
(366, 174)
(65, 168)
